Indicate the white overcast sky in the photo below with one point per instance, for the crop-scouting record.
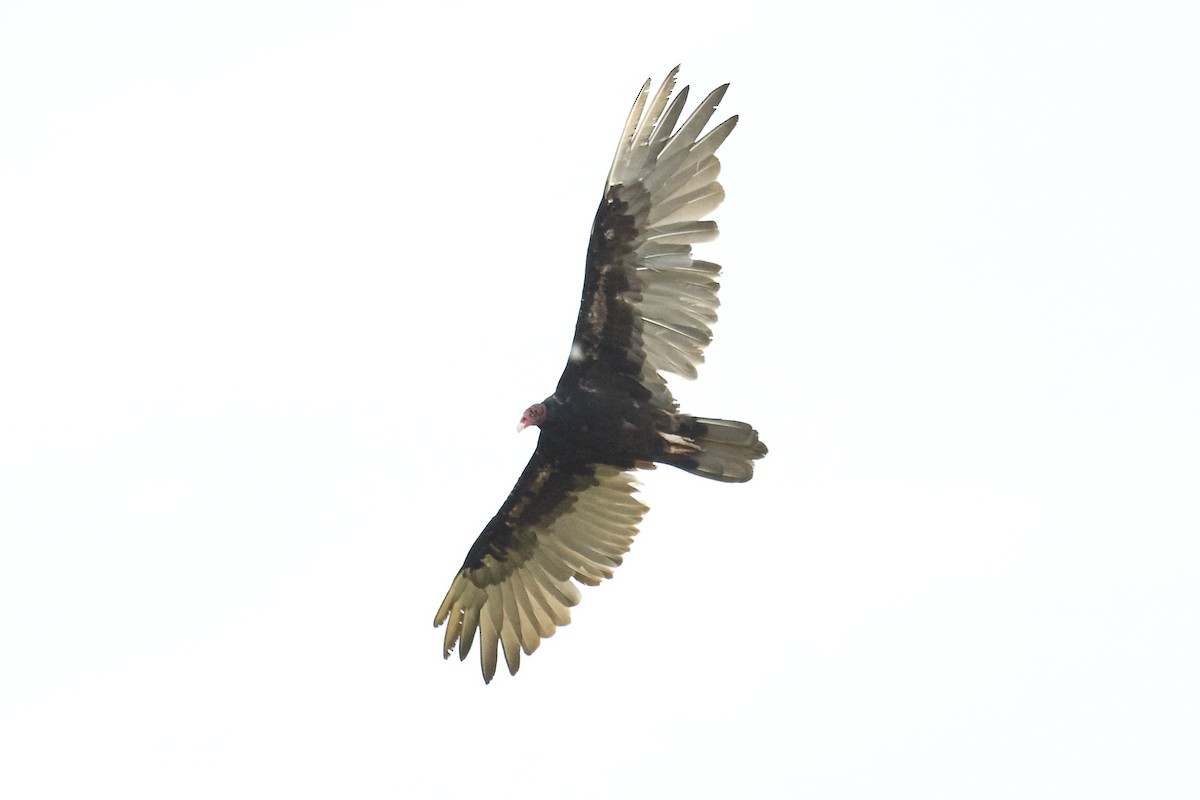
(277, 279)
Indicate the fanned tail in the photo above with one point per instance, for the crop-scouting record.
(720, 449)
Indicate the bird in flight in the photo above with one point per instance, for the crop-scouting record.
(647, 309)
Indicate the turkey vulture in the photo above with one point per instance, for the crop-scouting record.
(646, 310)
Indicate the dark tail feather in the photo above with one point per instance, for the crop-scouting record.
(720, 449)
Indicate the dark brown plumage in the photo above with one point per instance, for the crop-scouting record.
(646, 310)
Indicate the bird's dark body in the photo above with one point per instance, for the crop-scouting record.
(601, 428)
(646, 309)
(581, 430)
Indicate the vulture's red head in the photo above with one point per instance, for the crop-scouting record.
(534, 415)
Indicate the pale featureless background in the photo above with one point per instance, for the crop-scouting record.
(278, 278)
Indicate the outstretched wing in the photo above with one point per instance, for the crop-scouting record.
(560, 523)
(647, 305)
